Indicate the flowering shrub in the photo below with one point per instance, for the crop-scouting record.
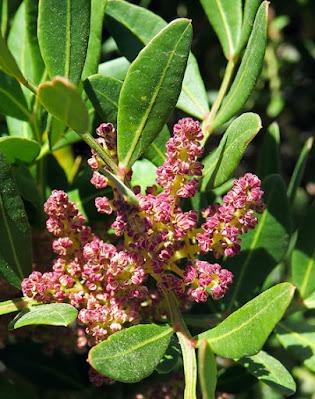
(162, 257)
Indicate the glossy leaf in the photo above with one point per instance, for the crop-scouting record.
(19, 149)
(62, 100)
(262, 248)
(269, 152)
(12, 100)
(298, 172)
(207, 371)
(52, 314)
(245, 331)
(8, 64)
(226, 18)
(133, 27)
(248, 71)
(299, 339)
(250, 10)
(270, 371)
(131, 354)
(116, 68)
(219, 166)
(151, 89)
(95, 38)
(303, 256)
(103, 92)
(16, 244)
(63, 34)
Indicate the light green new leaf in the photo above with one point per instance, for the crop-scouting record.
(116, 68)
(219, 166)
(63, 34)
(250, 10)
(151, 89)
(16, 243)
(270, 371)
(131, 354)
(226, 18)
(52, 314)
(299, 339)
(8, 64)
(269, 152)
(207, 370)
(143, 174)
(19, 149)
(133, 27)
(248, 71)
(62, 100)
(245, 331)
(303, 256)
(264, 247)
(12, 100)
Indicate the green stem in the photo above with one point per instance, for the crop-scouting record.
(208, 121)
(14, 305)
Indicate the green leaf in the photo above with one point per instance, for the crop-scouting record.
(103, 92)
(62, 100)
(219, 166)
(264, 247)
(143, 174)
(303, 256)
(269, 152)
(132, 27)
(250, 10)
(207, 370)
(12, 100)
(95, 38)
(298, 172)
(19, 149)
(19, 128)
(13, 305)
(248, 71)
(8, 64)
(4, 16)
(131, 354)
(170, 360)
(309, 302)
(245, 331)
(156, 152)
(226, 18)
(16, 244)
(270, 371)
(116, 68)
(151, 89)
(299, 339)
(52, 314)
(63, 34)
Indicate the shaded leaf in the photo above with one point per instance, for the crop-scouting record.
(116, 68)
(207, 371)
(19, 149)
(269, 152)
(8, 64)
(156, 152)
(170, 360)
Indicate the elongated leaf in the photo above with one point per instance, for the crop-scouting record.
(309, 302)
(133, 27)
(226, 18)
(156, 152)
(269, 153)
(270, 371)
(16, 244)
(303, 256)
(95, 38)
(299, 339)
(116, 68)
(19, 149)
(245, 331)
(13, 305)
(103, 92)
(19, 128)
(264, 247)
(298, 172)
(170, 360)
(4, 16)
(248, 71)
(207, 371)
(63, 34)
(62, 100)
(143, 174)
(52, 314)
(219, 166)
(151, 89)
(12, 100)
(131, 354)
(8, 64)
(250, 10)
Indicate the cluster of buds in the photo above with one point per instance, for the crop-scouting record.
(156, 240)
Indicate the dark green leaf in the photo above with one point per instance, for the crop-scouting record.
(269, 152)
(207, 370)
(156, 152)
(62, 100)
(250, 10)
(248, 71)
(270, 371)
(131, 354)
(219, 166)
(116, 68)
(63, 34)
(16, 244)
(245, 331)
(170, 360)
(52, 314)
(19, 149)
(8, 64)
(226, 18)
(303, 256)
(264, 247)
(151, 89)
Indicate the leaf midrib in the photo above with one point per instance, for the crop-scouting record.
(226, 26)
